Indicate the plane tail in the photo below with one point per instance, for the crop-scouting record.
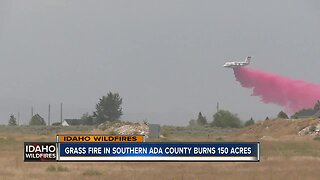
(248, 59)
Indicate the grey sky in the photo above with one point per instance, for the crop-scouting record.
(164, 57)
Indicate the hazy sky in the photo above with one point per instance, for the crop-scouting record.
(164, 57)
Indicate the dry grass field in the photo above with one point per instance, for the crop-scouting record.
(286, 157)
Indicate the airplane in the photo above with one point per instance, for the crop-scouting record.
(235, 64)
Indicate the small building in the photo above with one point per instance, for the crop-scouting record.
(154, 130)
(71, 122)
(64, 123)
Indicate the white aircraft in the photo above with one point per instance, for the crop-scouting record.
(235, 64)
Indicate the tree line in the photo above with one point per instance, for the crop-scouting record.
(222, 118)
(108, 109)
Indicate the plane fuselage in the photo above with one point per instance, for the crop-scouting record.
(235, 64)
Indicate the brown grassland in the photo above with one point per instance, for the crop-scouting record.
(283, 156)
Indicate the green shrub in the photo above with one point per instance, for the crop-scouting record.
(92, 172)
(317, 138)
(249, 122)
(62, 168)
(51, 168)
(59, 168)
(219, 139)
(312, 128)
(113, 133)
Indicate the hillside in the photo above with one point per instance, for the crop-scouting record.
(277, 129)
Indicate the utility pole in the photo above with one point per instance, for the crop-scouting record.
(217, 106)
(31, 112)
(49, 116)
(61, 113)
(18, 118)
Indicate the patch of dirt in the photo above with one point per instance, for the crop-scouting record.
(122, 128)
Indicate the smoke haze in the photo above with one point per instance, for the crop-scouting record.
(163, 58)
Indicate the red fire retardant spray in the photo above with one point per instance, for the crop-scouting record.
(291, 94)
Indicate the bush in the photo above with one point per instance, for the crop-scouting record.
(59, 168)
(202, 120)
(92, 172)
(62, 168)
(317, 138)
(219, 139)
(312, 128)
(12, 121)
(225, 119)
(192, 123)
(51, 168)
(249, 122)
(113, 133)
(167, 130)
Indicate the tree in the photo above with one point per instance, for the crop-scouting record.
(12, 121)
(317, 106)
(303, 113)
(192, 123)
(86, 119)
(225, 118)
(37, 120)
(307, 112)
(249, 122)
(202, 120)
(282, 115)
(109, 108)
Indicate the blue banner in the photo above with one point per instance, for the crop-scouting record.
(158, 151)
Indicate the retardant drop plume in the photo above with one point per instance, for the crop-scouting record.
(292, 94)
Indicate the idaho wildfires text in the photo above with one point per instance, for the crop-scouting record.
(41, 152)
(95, 138)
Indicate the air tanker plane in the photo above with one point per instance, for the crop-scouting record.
(235, 64)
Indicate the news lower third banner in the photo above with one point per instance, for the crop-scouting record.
(158, 151)
(112, 148)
